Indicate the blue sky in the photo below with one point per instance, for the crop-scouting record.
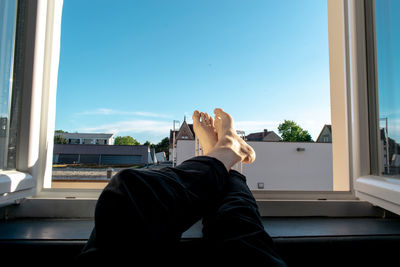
(132, 67)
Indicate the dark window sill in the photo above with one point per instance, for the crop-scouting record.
(299, 240)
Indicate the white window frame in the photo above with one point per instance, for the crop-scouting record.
(378, 190)
(22, 182)
(81, 202)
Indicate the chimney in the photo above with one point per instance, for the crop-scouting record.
(265, 132)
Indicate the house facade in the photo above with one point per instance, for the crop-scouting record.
(88, 138)
(185, 132)
(325, 135)
(102, 155)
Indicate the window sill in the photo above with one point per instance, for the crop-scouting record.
(15, 185)
(380, 191)
(46, 229)
(71, 207)
(352, 240)
(12, 181)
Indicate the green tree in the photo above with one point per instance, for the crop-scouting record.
(163, 146)
(60, 139)
(292, 132)
(126, 140)
(147, 143)
(60, 131)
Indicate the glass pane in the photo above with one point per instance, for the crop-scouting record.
(132, 73)
(388, 69)
(8, 14)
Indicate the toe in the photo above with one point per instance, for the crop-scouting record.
(208, 118)
(218, 111)
(196, 116)
(211, 121)
(203, 120)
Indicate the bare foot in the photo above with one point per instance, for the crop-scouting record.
(203, 126)
(227, 137)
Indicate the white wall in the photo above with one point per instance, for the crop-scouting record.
(185, 149)
(110, 140)
(280, 166)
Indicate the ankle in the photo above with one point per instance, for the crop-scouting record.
(226, 155)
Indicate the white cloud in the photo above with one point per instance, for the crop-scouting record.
(162, 128)
(131, 126)
(107, 111)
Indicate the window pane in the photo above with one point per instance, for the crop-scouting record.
(8, 14)
(388, 68)
(136, 71)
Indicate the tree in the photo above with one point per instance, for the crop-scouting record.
(163, 146)
(126, 140)
(60, 139)
(292, 132)
(147, 143)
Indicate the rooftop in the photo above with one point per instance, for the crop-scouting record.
(86, 135)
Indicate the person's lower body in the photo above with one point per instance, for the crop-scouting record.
(141, 215)
(234, 233)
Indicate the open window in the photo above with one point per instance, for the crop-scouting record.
(352, 132)
(265, 63)
(377, 121)
(16, 170)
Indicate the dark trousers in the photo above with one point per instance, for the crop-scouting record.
(141, 215)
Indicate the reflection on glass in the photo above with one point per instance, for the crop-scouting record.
(7, 36)
(388, 69)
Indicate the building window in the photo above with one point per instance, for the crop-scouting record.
(74, 141)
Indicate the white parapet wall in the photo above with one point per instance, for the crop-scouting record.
(282, 165)
(291, 166)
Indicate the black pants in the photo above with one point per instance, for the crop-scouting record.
(141, 215)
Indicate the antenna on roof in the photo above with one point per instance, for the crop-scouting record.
(173, 142)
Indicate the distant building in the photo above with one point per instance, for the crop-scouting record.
(185, 132)
(325, 135)
(265, 136)
(161, 156)
(152, 156)
(88, 138)
(390, 151)
(102, 155)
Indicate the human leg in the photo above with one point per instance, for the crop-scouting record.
(144, 212)
(234, 233)
(147, 211)
(233, 230)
